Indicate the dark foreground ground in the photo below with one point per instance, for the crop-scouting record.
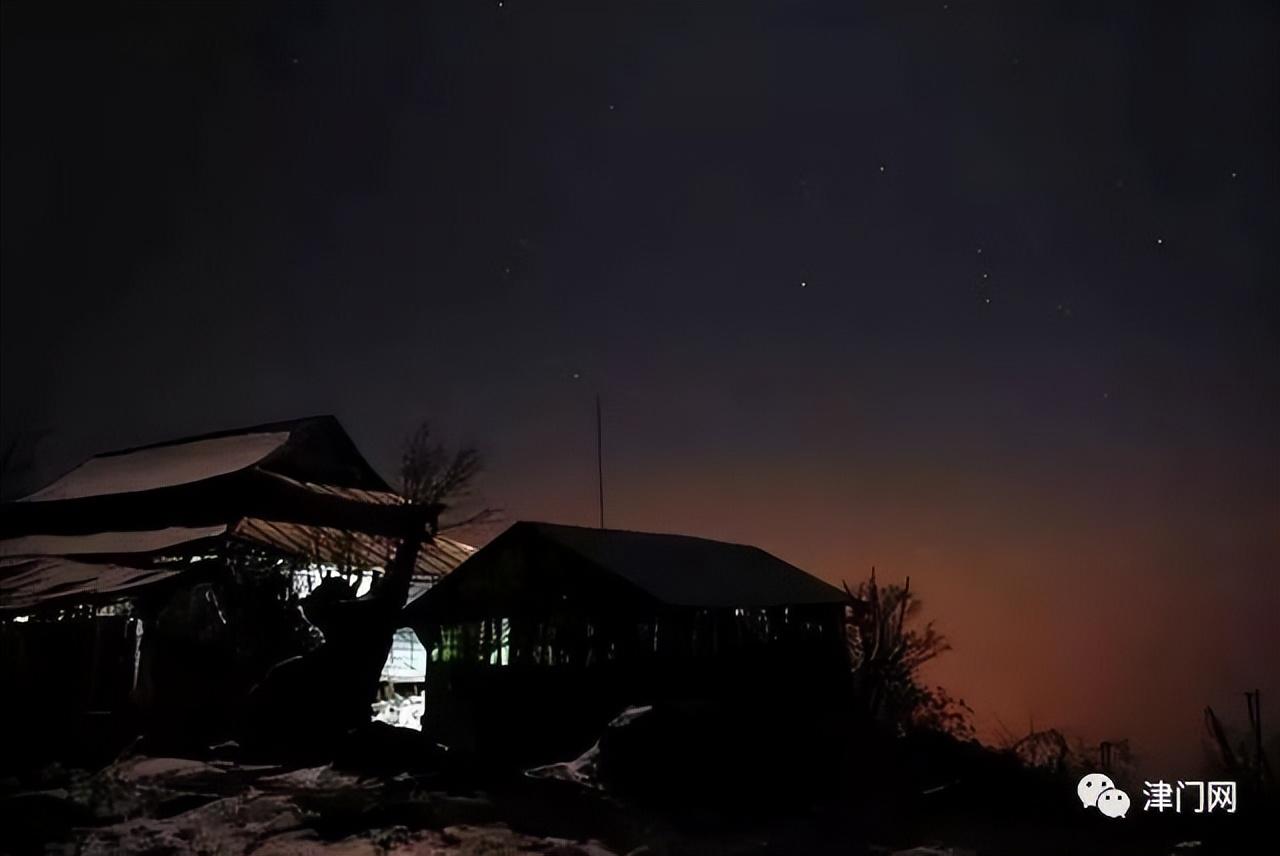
(664, 781)
(165, 805)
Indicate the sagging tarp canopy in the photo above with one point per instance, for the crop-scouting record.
(61, 557)
(44, 581)
(540, 568)
(106, 544)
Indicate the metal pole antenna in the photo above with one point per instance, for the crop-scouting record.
(600, 460)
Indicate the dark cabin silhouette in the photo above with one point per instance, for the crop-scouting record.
(546, 633)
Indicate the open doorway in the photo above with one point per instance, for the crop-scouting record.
(401, 696)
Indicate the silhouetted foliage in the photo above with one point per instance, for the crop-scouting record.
(887, 654)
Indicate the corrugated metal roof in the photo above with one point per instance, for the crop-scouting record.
(686, 571)
(435, 559)
(47, 580)
(373, 497)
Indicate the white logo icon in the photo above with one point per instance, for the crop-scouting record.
(1091, 786)
(1113, 802)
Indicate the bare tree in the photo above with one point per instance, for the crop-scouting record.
(431, 475)
(339, 678)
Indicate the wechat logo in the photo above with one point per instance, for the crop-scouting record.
(1098, 791)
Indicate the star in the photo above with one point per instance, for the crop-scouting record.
(576, 375)
(979, 250)
(1159, 240)
(986, 276)
(804, 284)
(882, 167)
(1235, 174)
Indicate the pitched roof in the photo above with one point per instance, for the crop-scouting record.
(314, 449)
(678, 570)
(687, 571)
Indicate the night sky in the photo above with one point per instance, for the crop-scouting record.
(983, 294)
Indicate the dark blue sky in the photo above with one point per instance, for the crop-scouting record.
(982, 293)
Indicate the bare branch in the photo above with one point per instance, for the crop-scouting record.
(429, 475)
(484, 515)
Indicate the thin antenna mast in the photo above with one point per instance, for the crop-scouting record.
(600, 459)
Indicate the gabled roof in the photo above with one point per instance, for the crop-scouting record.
(682, 570)
(677, 570)
(303, 471)
(312, 450)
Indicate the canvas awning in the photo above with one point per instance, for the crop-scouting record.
(48, 580)
(46, 563)
(108, 543)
